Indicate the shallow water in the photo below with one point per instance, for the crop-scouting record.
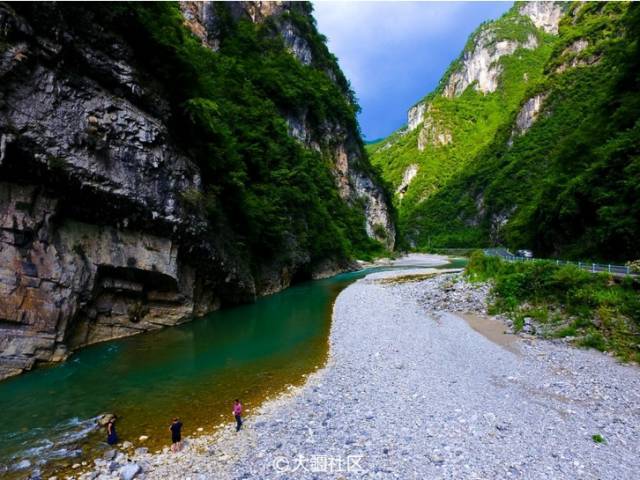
(493, 330)
(193, 371)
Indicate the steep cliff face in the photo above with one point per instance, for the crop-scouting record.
(205, 20)
(481, 66)
(541, 153)
(113, 220)
(544, 15)
(91, 211)
(342, 143)
(528, 114)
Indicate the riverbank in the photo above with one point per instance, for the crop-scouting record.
(409, 260)
(562, 301)
(414, 391)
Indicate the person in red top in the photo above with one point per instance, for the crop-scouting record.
(237, 412)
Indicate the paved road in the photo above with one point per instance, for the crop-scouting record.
(620, 270)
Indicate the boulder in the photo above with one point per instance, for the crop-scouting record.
(128, 472)
(24, 464)
(109, 454)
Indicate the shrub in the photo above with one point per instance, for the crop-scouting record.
(593, 340)
(482, 267)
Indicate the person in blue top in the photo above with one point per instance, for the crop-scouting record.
(176, 437)
(112, 436)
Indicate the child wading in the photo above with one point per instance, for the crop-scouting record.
(176, 437)
(237, 412)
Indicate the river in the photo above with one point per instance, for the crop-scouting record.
(193, 371)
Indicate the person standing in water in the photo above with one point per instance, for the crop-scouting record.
(112, 436)
(176, 436)
(237, 412)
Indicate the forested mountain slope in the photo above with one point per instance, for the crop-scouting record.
(161, 159)
(531, 139)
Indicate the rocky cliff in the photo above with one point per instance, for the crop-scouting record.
(355, 183)
(106, 227)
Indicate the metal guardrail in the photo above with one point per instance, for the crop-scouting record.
(590, 267)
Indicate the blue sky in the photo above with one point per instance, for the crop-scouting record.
(394, 53)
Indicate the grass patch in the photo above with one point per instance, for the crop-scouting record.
(566, 331)
(593, 340)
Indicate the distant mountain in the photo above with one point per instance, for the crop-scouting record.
(531, 138)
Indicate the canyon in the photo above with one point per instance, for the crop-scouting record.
(99, 235)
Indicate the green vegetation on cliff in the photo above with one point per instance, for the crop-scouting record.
(471, 120)
(568, 185)
(565, 301)
(229, 110)
(230, 107)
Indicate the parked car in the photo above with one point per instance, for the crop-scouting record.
(634, 266)
(524, 253)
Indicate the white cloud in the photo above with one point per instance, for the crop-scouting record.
(360, 32)
(394, 53)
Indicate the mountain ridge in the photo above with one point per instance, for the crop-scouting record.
(444, 167)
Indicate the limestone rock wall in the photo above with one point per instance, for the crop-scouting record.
(433, 133)
(575, 56)
(66, 284)
(528, 114)
(408, 176)
(480, 65)
(415, 116)
(204, 20)
(544, 15)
